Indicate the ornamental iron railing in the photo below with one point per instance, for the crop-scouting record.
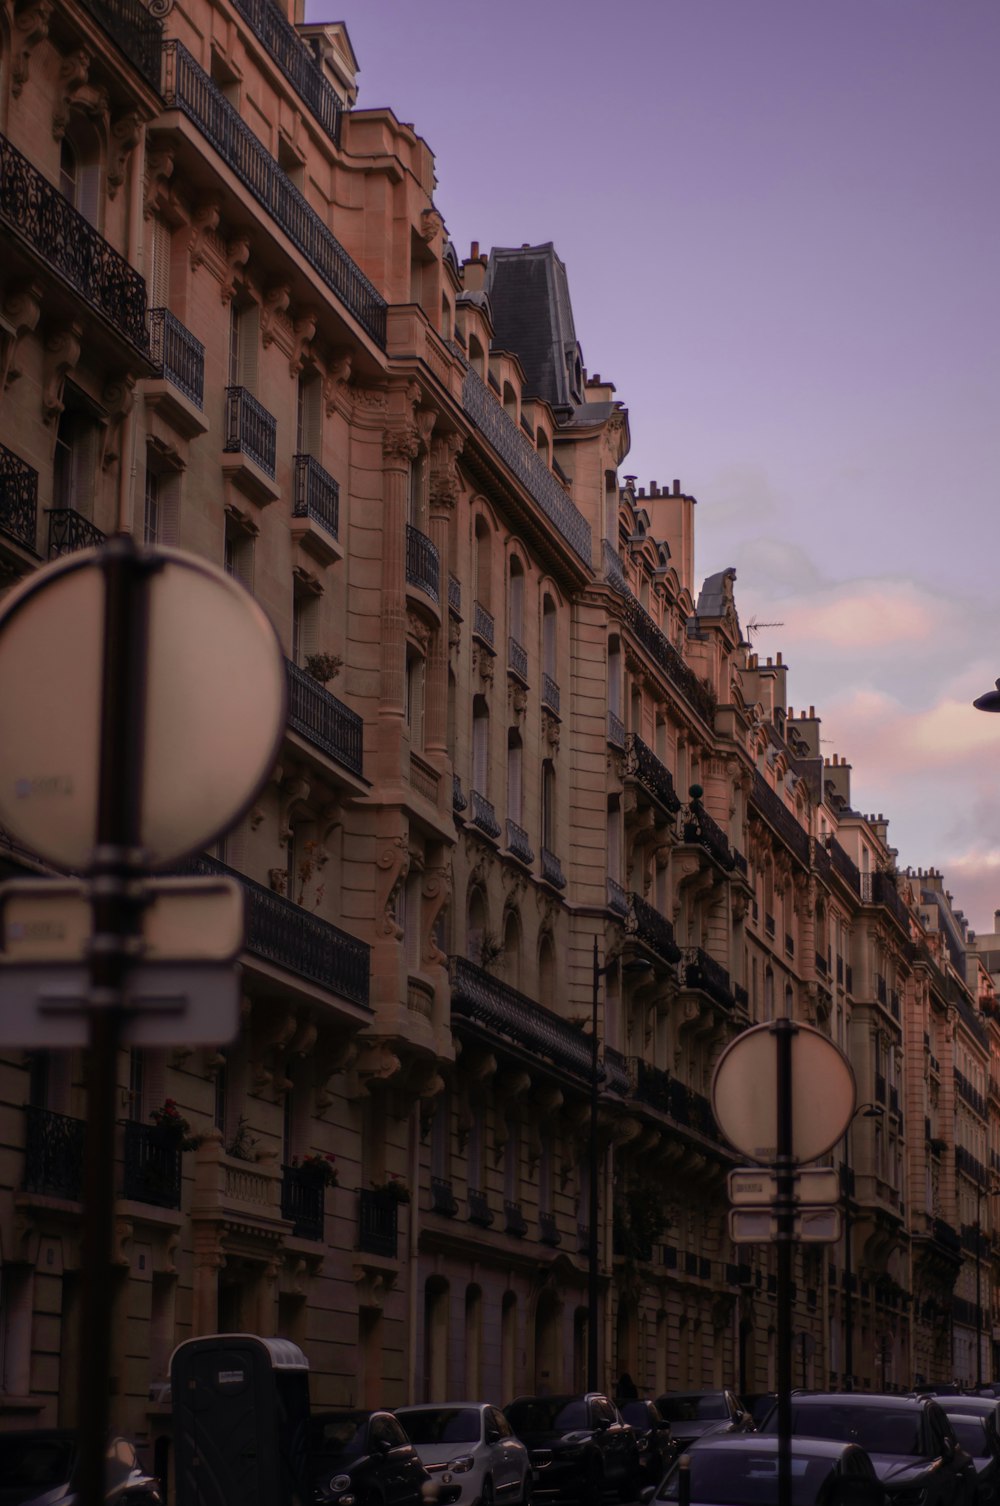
(650, 1085)
(548, 1233)
(483, 815)
(647, 770)
(69, 531)
(481, 999)
(647, 925)
(517, 659)
(518, 843)
(663, 653)
(616, 1074)
(616, 730)
(250, 429)
(455, 595)
(302, 1201)
(179, 355)
(703, 831)
(189, 89)
(522, 458)
(703, 972)
(614, 571)
(378, 1222)
(552, 871)
(135, 29)
(780, 819)
(317, 495)
(152, 1170)
(842, 864)
(301, 68)
(458, 800)
(482, 624)
(53, 1154)
(282, 932)
(18, 499)
(879, 888)
(550, 694)
(514, 1221)
(323, 720)
(617, 897)
(423, 563)
(443, 1199)
(38, 215)
(480, 1212)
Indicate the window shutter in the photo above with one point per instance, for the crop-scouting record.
(88, 193)
(249, 342)
(159, 265)
(168, 521)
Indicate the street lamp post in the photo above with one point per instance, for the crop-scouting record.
(870, 1111)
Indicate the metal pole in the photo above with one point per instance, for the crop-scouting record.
(114, 926)
(592, 1272)
(784, 1030)
(848, 1267)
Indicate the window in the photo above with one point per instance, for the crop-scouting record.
(614, 838)
(549, 626)
(243, 345)
(309, 415)
(480, 746)
(160, 505)
(514, 766)
(80, 169)
(413, 690)
(483, 563)
(477, 358)
(74, 462)
(548, 805)
(238, 552)
(516, 605)
(615, 676)
(159, 264)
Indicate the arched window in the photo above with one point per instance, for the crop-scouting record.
(515, 609)
(477, 356)
(512, 950)
(476, 925)
(436, 1295)
(473, 1340)
(413, 690)
(483, 563)
(549, 644)
(615, 675)
(508, 1345)
(548, 804)
(546, 968)
(542, 441)
(309, 415)
(615, 838)
(80, 169)
(611, 506)
(481, 746)
(510, 401)
(515, 794)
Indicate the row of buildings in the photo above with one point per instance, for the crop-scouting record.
(519, 729)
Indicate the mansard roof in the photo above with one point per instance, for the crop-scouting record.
(533, 317)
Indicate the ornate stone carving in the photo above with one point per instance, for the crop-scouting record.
(237, 256)
(419, 631)
(76, 92)
(338, 375)
(274, 304)
(372, 398)
(431, 224)
(304, 333)
(550, 730)
(436, 893)
(62, 352)
(118, 398)
(373, 1285)
(159, 171)
(21, 309)
(445, 485)
(125, 133)
(401, 444)
(278, 880)
(204, 223)
(393, 863)
(31, 25)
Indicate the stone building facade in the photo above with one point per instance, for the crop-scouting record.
(551, 785)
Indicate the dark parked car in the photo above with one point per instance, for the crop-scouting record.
(365, 1458)
(742, 1470)
(694, 1413)
(976, 1420)
(758, 1404)
(38, 1465)
(653, 1437)
(580, 1448)
(911, 1442)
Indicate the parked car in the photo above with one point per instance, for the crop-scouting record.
(37, 1466)
(694, 1413)
(742, 1470)
(653, 1437)
(911, 1442)
(976, 1420)
(475, 1445)
(758, 1404)
(365, 1459)
(579, 1446)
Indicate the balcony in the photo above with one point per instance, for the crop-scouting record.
(70, 531)
(650, 1085)
(38, 216)
(514, 1221)
(708, 976)
(18, 500)
(702, 831)
(650, 774)
(477, 998)
(443, 1200)
(136, 31)
(517, 659)
(53, 1154)
(250, 430)
(294, 939)
(179, 356)
(315, 509)
(302, 1201)
(482, 625)
(552, 869)
(286, 48)
(458, 800)
(616, 730)
(480, 1213)
(484, 816)
(617, 898)
(324, 721)
(880, 889)
(652, 929)
(616, 1077)
(188, 89)
(550, 694)
(518, 844)
(378, 1222)
(152, 1166)
(691, 1109)
(455, 596)
(781, 820)
(665, 656)
(520, 456)
(423, 563)
(614, 572)
(548, 1234)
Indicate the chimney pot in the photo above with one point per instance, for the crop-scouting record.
(677, 488)
(474, 253)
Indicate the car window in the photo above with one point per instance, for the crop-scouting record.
(638, 1413)
(499, 1421)
(971, 1434)
(547, 1414)
(879, 1430)
(337, 1437)
(38, 1462)
(442, 1425)
(693, 1408)
(603, 1411)
(745, 1479)
(394, 1433)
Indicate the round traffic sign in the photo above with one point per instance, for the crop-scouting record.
(745, 1093)
(215, 707)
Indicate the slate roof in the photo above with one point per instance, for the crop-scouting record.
(533, 319)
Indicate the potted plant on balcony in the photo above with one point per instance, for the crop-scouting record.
(393, 1187)
(322, 667)
(173, 1128)
(318, 1167)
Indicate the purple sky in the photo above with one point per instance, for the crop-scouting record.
(780, 222)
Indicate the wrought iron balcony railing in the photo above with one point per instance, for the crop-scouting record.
(152, 1165)
(780, 818)
(518, 844)
(841, 863)
(478, 997)
(613, 570)
(250, 429)
(514, 1221)
(135, 29)
(647, 925)
(324, 721)
(70, 531)
(297, 63)
(480, 1212)
(550, 694)
(482, 624)
(880, 889)
(650, 1085)
(617, 897)
(616, 730)
(294, 939)
(552, 869)
(702, 830)
(548, 1233)
(423, 563)
(663, 653)
(455, 595)
(646, 769)
(53, 1154)
(302, 1201)
(703, 972)
(378, 1222)
(188, 88)
(18, 499)
(443, 1200)
(458, 800)
(317, 494)
(517, 659)
(692, 1109)
(483, 815)
(520, 455)
(178, 354)
(616, 1073)
(37, 214)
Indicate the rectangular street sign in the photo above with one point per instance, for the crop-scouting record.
(752, 1187)
(813, 1226)
(818, 1226)
(167, 1004)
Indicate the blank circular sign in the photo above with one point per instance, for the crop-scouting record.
(745, 1093)
(215, 707)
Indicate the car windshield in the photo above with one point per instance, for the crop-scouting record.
(745, 1478)
(692, 1408)
(970, 1432)
(637, 1413)
(547, 1414)
(338, 1437)
(879, 1430)
(441, 1424)
(37, 1461)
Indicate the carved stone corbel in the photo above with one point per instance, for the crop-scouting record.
(431, 225)
(333, 1063)
(338, 375)
(375, 1066)
(159, 171)
(62, 353)
(304, 333)
(118, 398)
(268, 1046)
(21, 310)
(436, 894)
(275, 303)
(373, 1285)
(125, 133)
(401, 445)
(204, 223)
(31, 23)
(393, 864)
(237, 256)
(76, 92)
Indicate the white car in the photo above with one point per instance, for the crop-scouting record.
(469, 1444)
